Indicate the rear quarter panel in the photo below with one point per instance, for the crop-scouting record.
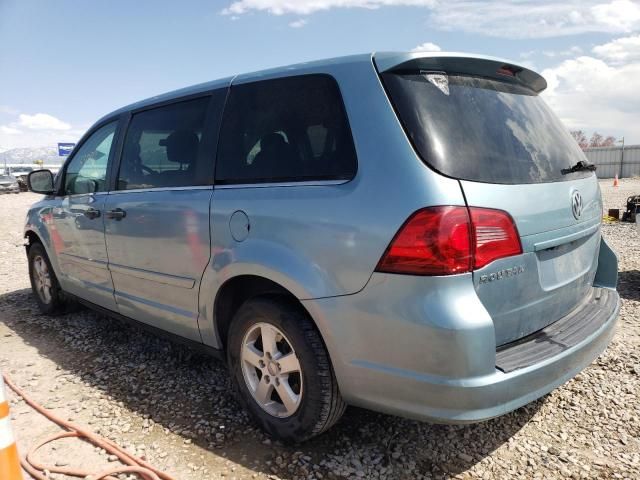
(325, 239)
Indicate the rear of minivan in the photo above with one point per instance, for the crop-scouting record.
(479, 307)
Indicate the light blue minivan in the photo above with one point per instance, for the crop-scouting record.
(413, 233)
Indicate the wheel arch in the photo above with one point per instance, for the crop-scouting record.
(34, 235)
(237, 290)
(31, 237)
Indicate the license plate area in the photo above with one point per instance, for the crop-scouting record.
(566, 263)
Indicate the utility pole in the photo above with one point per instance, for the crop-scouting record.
(621, 155)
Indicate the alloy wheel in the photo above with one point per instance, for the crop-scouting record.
(271, 370)
(42, 279)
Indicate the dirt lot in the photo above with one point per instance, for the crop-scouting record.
(174, 407)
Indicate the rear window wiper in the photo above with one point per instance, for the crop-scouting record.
(579, 167)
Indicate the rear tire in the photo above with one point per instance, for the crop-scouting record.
(304, 376)
(44, 282)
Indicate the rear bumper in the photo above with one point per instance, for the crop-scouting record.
(433, 357)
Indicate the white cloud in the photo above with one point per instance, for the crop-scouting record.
(9, 130)
(591, 93)
(570, 52)
(619, 51)
(305, 7)
(301, 22)
(36, 130)
(619, 14)
(36, 138)
(42, 121)
(512, 19)
(427, 47)
(537, 18)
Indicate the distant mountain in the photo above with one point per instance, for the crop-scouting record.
(48, 155)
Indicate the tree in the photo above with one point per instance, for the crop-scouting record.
(598, 140)
(39, 162)
(608, 142)
(581, 138)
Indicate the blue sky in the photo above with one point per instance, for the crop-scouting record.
(64, 64)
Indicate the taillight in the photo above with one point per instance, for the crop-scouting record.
(495, 235)
(449, 239)
(434, 241)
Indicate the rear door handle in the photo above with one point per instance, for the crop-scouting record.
(116, 214)
(92, 213)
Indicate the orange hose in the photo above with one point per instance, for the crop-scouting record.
(132, 464)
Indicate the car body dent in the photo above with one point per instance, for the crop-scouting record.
(607, 273)
(443, 331)
(429, 353)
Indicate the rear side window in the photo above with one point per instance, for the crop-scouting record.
(288, 129)
(162, 146)
(483, 130)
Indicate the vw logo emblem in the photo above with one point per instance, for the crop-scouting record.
(576, 204)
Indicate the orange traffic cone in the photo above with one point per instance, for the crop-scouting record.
(615, 180)
(9, 460)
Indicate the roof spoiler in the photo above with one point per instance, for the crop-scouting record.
(461, 63)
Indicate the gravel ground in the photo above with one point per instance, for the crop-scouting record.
(173, 407)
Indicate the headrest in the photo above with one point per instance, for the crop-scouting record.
(182, 147)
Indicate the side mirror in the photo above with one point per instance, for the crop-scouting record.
(40, 181)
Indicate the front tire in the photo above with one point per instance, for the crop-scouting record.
(281, 370)
(44, 283)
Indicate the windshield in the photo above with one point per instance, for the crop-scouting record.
(482, 130)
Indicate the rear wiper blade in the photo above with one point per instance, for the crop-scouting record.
(578, 167)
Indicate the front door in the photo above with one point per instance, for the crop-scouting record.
(157, 218)
(78, 223)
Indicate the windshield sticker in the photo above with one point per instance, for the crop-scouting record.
(439, 79)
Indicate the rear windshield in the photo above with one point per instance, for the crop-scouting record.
(482, 130)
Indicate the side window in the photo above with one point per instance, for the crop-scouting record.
(87, 171)
(287, 129)
(161, 147)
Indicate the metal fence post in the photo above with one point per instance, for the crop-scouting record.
(621, 156)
